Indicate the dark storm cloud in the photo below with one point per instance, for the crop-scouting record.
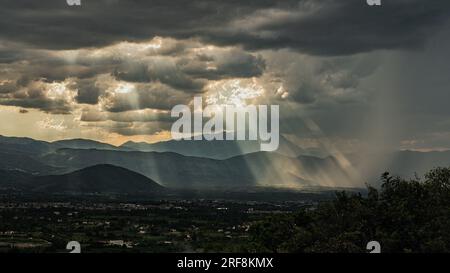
(53, 24)
(306, 93)
(7, 87)
(189, 69)
(87, 91)
(45, 105)
(36, 94)
(9, 55)
(324, 27)
(329, 27)
(222, 64)
(158, 70)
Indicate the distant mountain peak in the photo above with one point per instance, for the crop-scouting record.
(102, 178)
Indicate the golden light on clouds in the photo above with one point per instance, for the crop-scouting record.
(233, 92)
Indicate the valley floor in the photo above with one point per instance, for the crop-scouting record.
(115, 226)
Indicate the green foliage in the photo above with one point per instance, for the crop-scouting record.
(404, 216)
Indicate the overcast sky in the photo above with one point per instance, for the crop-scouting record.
(111, 70)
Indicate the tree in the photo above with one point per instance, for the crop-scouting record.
(404, 216)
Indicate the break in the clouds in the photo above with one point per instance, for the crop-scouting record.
(360, 73)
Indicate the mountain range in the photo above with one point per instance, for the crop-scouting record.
(214, 166)
(215, 149)
(178, 171)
